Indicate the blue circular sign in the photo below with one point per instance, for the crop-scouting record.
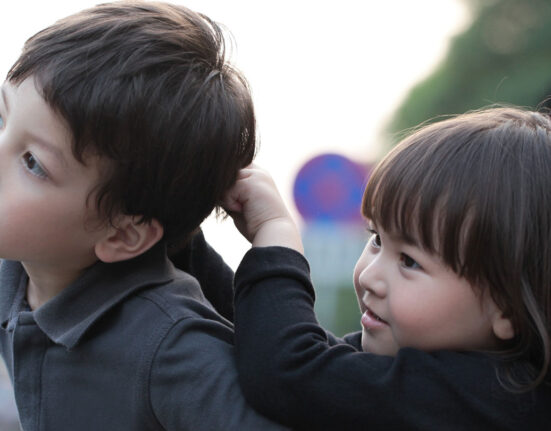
(329, 188)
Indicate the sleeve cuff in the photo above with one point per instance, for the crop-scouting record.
(260, 263)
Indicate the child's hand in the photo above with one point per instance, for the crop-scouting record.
(259, 212)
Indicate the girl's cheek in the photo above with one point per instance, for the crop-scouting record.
(360, 265)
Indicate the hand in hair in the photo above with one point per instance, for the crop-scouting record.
(259, 212)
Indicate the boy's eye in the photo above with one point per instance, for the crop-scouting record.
(1, 122)
(33, 166)
(409, 262)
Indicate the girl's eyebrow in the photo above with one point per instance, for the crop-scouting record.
(405, 238)
(402, 237)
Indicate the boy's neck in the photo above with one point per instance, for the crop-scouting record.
(43, 285)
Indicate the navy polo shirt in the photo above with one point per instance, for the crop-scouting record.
(132, 345)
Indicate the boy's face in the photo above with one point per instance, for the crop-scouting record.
(409, 298)
(44, 217)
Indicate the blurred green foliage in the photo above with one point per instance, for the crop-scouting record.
(504, 56)
(337, 309)
(347, 311)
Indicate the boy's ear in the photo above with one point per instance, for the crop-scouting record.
(128, 239)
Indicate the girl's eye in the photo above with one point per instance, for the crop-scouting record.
(33, 166)
(375, 239)
(1, 122)
(409, 262)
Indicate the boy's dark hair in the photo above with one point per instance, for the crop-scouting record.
(476, 191)
(147, 86)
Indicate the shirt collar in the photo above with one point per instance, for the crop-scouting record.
(67, 316)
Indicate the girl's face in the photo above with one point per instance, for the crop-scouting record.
(409, 298)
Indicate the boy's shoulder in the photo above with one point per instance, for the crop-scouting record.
(179, 298)
(152, 296)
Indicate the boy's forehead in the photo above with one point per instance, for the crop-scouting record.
(29, 98)
(7, 89)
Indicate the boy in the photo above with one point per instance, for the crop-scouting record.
(120, 129)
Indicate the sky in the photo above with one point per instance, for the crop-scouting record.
(325, 75)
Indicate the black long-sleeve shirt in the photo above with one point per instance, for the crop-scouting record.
(294, 372)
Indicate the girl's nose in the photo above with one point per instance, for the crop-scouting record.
(373, 277)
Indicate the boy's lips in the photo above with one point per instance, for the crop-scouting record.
(371, 320)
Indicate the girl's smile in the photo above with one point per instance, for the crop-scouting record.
(371, 320)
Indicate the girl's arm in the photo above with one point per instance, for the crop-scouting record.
(287, 369)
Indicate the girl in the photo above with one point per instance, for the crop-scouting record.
(454, 286)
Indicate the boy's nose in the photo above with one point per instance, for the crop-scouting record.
(3, 151)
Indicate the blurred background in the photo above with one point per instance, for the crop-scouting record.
(335, 84)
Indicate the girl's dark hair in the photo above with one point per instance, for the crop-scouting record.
(476, 191)
(148, 87)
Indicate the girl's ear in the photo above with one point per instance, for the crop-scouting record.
(502, 326)
(128, 239)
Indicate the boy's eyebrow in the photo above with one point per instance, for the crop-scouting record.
(5, 99)
(48, 146)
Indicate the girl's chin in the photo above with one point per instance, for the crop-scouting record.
(378, 347)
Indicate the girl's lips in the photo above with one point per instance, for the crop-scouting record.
(370, 320)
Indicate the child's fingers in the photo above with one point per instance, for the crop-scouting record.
(243, 173)
(250, 185)
(231, 202)
(246, 172)
(235, 197)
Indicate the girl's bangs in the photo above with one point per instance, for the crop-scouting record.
(396, 199)
(421, 193)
